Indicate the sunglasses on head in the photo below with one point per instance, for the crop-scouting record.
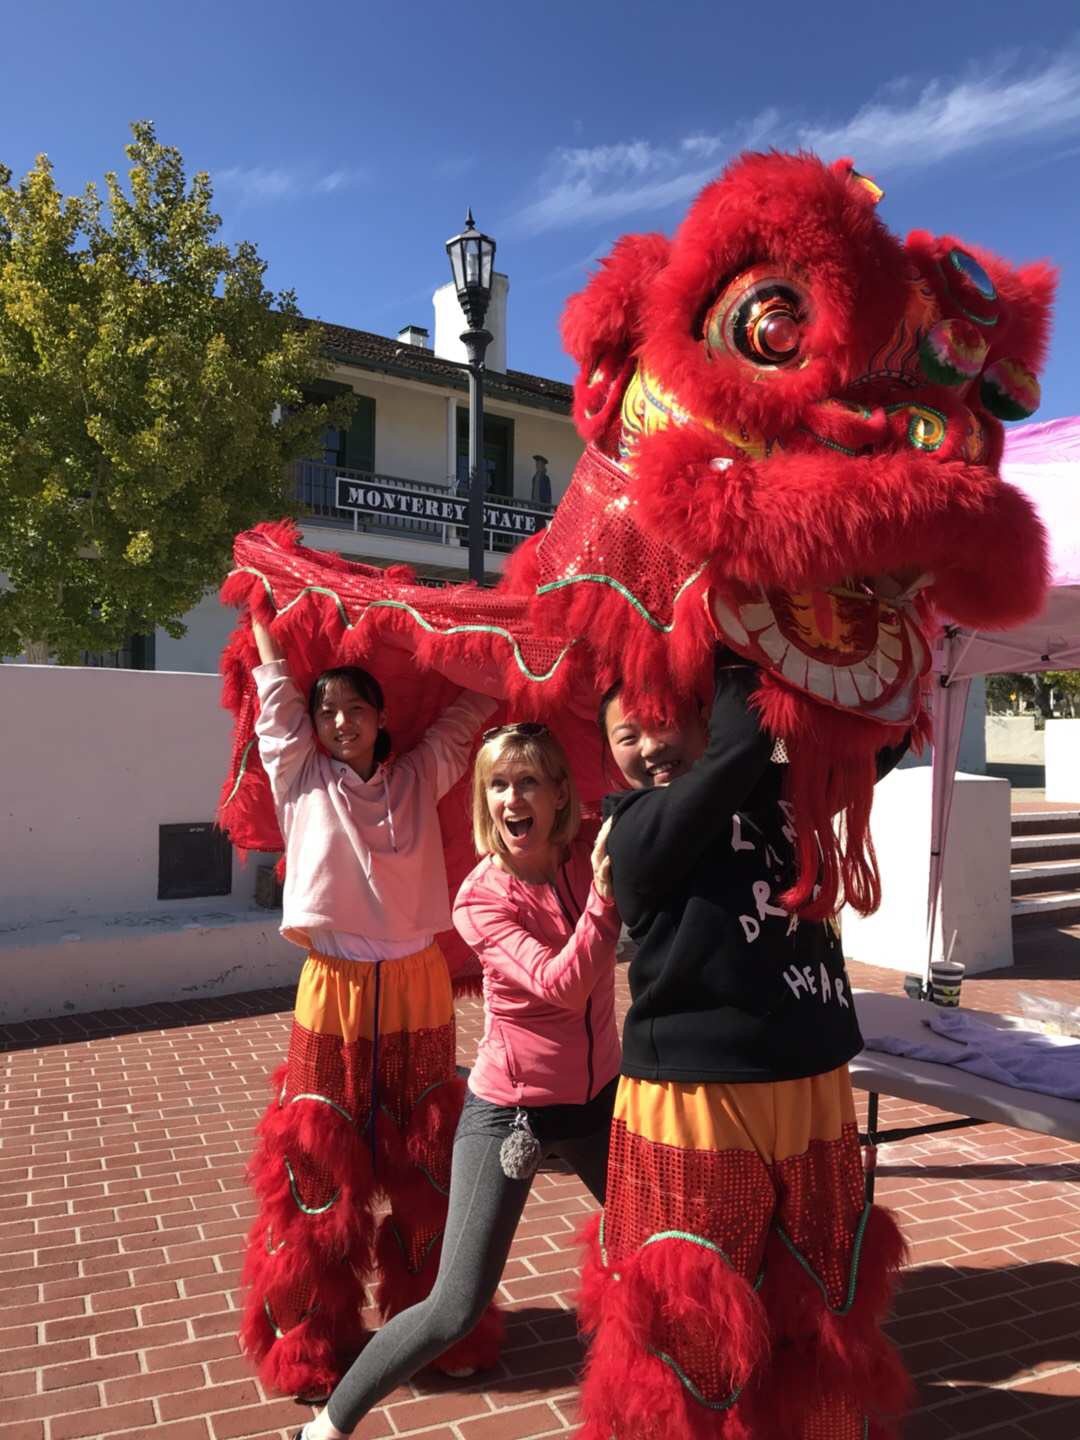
(531, 728)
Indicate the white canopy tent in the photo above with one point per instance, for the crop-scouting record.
(1042, 460)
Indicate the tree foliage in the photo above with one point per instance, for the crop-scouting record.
(1041, 691)
(152, 391)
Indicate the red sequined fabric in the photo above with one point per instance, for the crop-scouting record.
(352, 1173)
(739, 1298)
(594, 536)
(817, 1198)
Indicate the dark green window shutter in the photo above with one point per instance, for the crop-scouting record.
(360, 437)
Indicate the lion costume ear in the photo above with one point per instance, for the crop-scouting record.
(601, 330)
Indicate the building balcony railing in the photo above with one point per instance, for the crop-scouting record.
(315, 486)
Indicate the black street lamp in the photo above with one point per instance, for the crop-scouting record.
(471, 257)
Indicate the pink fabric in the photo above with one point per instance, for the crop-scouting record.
(548, 959)
(1043, 462)
(362, 856)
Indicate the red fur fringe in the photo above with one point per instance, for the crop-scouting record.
(817, 518)
(817, 1354)
(790, 1353)
(673, 1283)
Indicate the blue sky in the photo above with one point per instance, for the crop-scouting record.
(346, 141)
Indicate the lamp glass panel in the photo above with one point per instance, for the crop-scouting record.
(457, 264)
(472, 262)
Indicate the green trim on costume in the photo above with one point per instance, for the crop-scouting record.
(425, 1093)
(323, 1100)
(916, 405)
(832, 444)
(691, 1237)
(853, 1277)
(625, 593)
(691, 1388)
(427, 1248)
(280, 1334)
(272, 1249)
(415, 614)
(240, 773)
(308, 1209)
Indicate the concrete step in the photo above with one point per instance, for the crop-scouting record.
(1058, 908)
(1035, 848)
(1044, 879)
(1045, 822)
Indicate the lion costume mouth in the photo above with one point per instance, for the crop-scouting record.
(849, 648)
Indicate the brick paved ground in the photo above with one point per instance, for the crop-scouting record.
(123, 1139)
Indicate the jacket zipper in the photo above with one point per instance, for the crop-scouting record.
(588, 1004)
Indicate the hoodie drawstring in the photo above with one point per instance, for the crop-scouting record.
(389, 810)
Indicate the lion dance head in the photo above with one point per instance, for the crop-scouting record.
(794, 426)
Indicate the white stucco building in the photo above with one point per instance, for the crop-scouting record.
(410, 432)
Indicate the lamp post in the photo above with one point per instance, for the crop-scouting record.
(471, 257)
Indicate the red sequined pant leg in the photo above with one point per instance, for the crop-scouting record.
(735, 1285)
(351, 1169)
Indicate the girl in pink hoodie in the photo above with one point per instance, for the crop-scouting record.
(364, 1110)
(537, 911)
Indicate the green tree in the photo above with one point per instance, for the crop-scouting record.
(1066, 683)
(152, 391)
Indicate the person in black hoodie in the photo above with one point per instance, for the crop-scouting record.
(736, 1280)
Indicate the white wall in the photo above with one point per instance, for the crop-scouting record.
(450, 323)
(1013, 740)
(410, 427)
(537, 433)
(1062, 739)
(209, 626)
(975, 901)
(972, 756)
(94, 761)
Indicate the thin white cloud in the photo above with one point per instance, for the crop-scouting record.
(265, 184)
(902, 128)
(608, 182)
(946, 120)
(256, 184)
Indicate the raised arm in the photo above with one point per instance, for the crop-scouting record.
(659, 834)
(283, 727)
(442, 754)
(487, 921)
(268, 648)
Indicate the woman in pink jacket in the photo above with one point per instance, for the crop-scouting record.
(538, 912)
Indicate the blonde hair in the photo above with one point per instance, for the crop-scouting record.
(546, 756)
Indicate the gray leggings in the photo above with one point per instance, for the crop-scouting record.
(483, 1213)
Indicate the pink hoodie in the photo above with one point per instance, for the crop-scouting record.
(364, 857)
(548, 956)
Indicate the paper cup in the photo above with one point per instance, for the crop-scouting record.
(946, 977)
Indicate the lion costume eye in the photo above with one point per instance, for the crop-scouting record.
(762, 317)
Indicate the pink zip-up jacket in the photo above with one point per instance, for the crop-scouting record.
(548, 958)
(362, 856)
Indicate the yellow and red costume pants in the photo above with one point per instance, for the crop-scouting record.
(735, 1284)
(352, 1169)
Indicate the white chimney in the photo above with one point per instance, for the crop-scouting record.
(450, 322)
(415, 335)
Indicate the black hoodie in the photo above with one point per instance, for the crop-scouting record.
(725, 985)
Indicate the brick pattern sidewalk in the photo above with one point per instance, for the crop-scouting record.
(123, 1139)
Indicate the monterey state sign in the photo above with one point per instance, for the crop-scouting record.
(377, 497)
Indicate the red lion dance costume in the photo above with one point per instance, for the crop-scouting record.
(792, 420)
